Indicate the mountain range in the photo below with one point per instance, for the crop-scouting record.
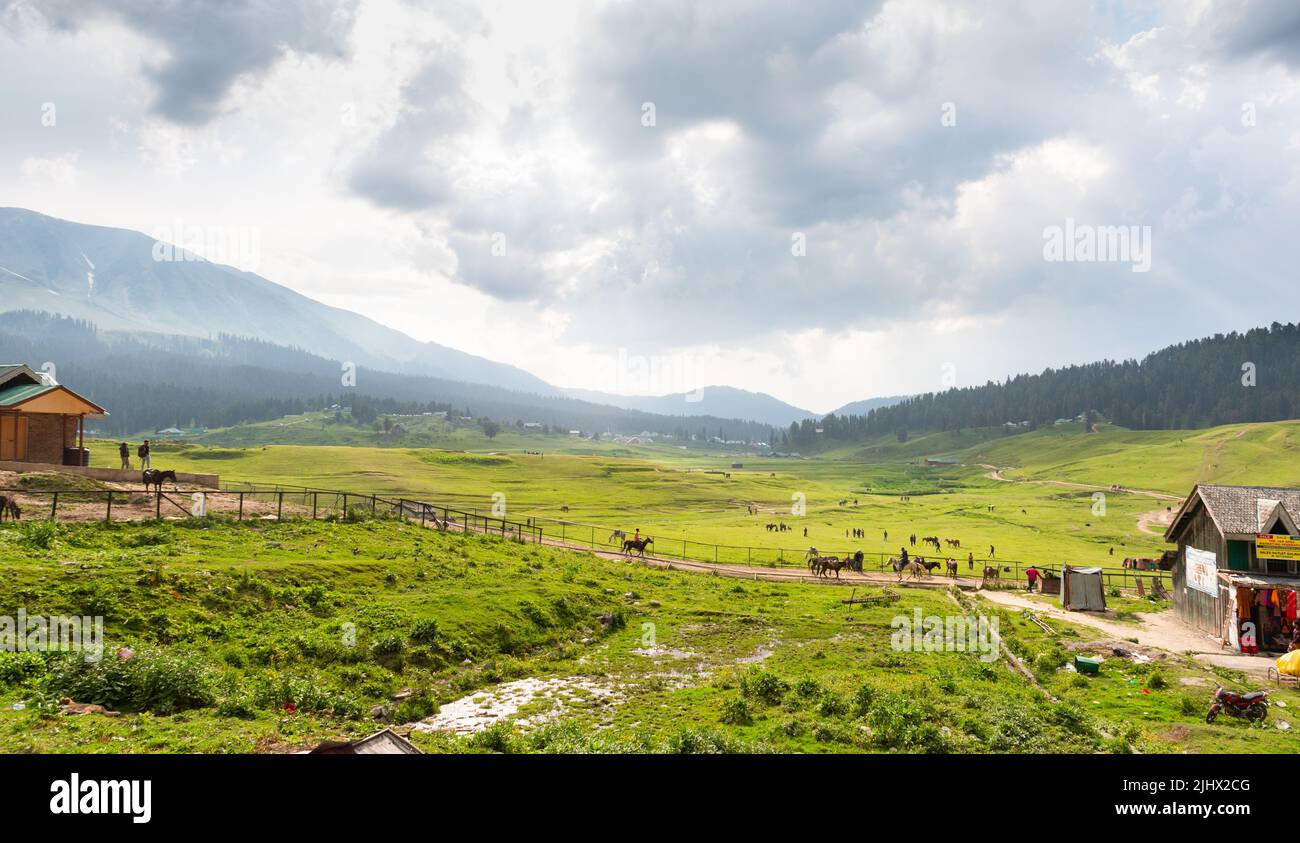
(113, 279)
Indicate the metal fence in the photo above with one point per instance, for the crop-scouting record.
(245, 501)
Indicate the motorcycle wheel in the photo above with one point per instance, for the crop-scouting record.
(1257, 712)
(1211, 714)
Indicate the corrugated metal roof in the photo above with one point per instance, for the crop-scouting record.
(22, 392)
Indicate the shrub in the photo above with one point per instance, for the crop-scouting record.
(763, 685)
(158, 682)
(735, 712)
(499, 737)
(425, 631)
(863, 698)
(807, 687)
(388, 645)
(16, 667)
(830, 704)
(39, 534)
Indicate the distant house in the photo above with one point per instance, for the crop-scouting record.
(40, 420)
(170, 431)
(532, 425)
(1238, 547)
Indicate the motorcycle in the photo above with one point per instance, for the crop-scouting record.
(1252, 706)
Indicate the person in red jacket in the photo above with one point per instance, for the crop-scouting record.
(1032, 574)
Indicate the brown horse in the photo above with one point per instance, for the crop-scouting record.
(990, 573)
(9, 508)
(639, 546)
(952, 568)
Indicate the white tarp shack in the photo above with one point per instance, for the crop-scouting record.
(1082, 589)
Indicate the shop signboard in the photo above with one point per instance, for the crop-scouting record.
(1277, 547)
(1202, 571)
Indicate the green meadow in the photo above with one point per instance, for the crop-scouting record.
(1045, 510)
(269, 636)
(266, 636)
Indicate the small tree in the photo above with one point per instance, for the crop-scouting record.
(490, 428)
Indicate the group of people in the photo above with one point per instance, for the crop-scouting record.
(124, 451)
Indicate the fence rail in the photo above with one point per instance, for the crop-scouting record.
(244, 501)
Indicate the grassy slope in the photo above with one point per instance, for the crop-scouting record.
(253, 617)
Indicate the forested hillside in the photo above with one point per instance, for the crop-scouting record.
(152, 381)
(1224, 379)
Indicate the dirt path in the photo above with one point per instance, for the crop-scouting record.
(1160, 518)
(1157, 629)
(996, 473)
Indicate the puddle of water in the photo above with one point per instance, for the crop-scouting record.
(481, 709)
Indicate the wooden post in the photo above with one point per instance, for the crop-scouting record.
(108, 515)
(313, 506)
(279, 507)
(372, 505)
(157, 505)
(241, 506)
(54, 508)
(423, 511)
(345, 506)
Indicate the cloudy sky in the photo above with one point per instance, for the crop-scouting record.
(822, 200)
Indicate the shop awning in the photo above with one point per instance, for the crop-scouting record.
(1254, 580)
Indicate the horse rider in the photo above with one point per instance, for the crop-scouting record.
(143, 452)
(125, 454)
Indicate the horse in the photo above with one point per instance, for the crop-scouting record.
(916, 570)
(9, 508)
(639, 546)
(990, 572)
(829, 563)
(952, 568)
(155, 477)
(855, 562)
(617, 534)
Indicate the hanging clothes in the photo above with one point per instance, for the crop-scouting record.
(1245, 603)
(1290, 605)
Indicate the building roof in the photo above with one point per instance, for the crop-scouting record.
(1237, 509)
(18, 393)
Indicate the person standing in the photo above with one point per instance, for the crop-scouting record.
(1032, 575)
(145, 464)
(125, 454)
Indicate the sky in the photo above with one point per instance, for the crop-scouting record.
(825, 201)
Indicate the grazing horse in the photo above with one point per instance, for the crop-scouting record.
(155, 477)
(9, 508)
(617, 534)
(639, 546)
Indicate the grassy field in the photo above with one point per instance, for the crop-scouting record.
(271, 636)
(698, 497)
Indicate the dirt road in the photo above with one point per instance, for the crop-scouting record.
(1157, 629)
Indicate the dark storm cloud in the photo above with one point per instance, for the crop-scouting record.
(208, 45)
(410, 166)
(1269, 28)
